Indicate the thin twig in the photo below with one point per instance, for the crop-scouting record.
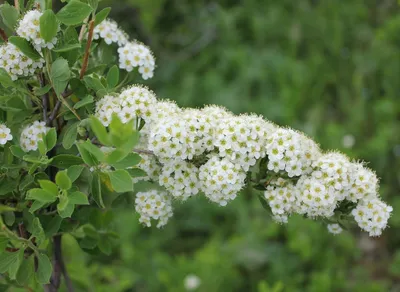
(45, 98)
(83, 29)
(3, 35)
(57, 107)
(16, 4)
(141, 151)
(87, 51)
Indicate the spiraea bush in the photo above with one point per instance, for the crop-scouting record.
(77, 134)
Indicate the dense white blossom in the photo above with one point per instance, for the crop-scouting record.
(154, 205)
(29, 29)
(242, 139)
(151, 166)
(281, 196)
(364, 183)
(134, 102)
(16, 63)
(336, 171)
(180, 178)
(334, 228)
(109, 31)
(372, 215)
(5, 134)
(221, 180)
(134, 55)
(31, 134)
(291, 152)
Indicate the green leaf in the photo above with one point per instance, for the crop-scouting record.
(41, 195)
(25, 47)
(74, 172)
(7, 259)
(25, 271)
(26, 182)
(48, 25)
(64, 201)
(78, 198)
(113, 77)
(5, 78)
(63, 181)
(51, 139)
(74, 13)
(49, 186)
(42, 91)
(36, 206)
(96, 190)
(87, 157)
(42, 146)
(93, 83)
(100, 131)
(10, 16)
(67, 211)
(44, 270)
(67, 48)
(70, 135)
(94, 150)
(8, 185)
(66, 161)
(87, 100)
(60, 75)
(13, 269)
(129, 161)
(17, 151)
(52, 226)
(101, 16)
(37, 231)
(105, 245)
(121, 181)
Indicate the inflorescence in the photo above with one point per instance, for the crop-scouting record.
(211, 151)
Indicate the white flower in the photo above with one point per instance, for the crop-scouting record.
(16, 63)
(364, 183)
(134, 55)
(151, 166)
(5, 134)
(153, 205)
(334, 228)
(29, 29)
(134, 102)
(291, 152)
(180, 178)
(221, 180)
(109, 31)
(191, 282)
(31, 134)
(372, 215)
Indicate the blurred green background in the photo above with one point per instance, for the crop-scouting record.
(329, 68)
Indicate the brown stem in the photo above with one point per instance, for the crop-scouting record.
(57, 107)
(58, 269)
(3, 35)
(22, 231)
(87, 51)
(16, 4)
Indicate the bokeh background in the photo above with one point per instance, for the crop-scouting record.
(329, 68)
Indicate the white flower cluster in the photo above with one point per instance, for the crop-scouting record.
(372, 215)
(16, 63)
(242, 139)
(334, 228)
(180, 178)
(134, 102)
(29, 29)
(210, 151)
(134, 55)
(32, 134)
(109, 31)
(291, 152)
(5, 134)
(221, 180)
(281, 196)
(333, 179)
(153, 205)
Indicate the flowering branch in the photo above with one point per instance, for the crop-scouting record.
(87, 51)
